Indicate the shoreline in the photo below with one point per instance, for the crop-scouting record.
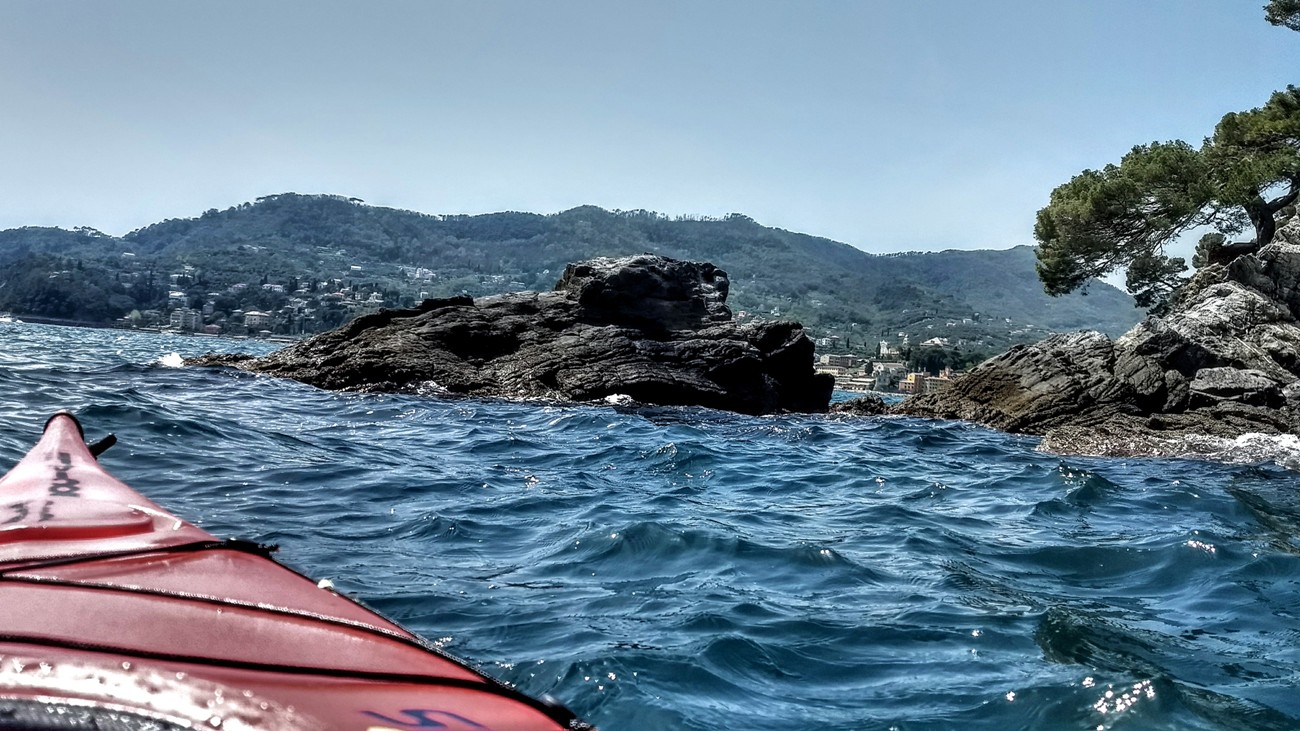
(64, 322)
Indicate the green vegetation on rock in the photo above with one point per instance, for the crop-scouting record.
(1245, 176)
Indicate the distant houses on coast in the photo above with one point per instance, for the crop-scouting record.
(209, 321)
(298, 306)
(887, 373)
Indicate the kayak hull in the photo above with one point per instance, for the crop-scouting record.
(110, 604)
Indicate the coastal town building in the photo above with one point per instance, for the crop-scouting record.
(183, 318)
(838, 360)
(836, 371)
(912, 383)
(919, 383)
(887, 374)
(855, 383)
(254, 320)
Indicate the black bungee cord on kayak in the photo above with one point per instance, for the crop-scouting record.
(99, 447)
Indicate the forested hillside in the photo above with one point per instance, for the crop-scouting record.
(313, 261)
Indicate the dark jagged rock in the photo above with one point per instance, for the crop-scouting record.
(869, 405)
(655, 293)
(1224, 362)
(652, 328)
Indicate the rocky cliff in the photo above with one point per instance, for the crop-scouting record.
(1224, 362)
(652, 328)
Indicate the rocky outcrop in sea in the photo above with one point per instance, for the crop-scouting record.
(868, 405)
(654, 329)
(1223, 363)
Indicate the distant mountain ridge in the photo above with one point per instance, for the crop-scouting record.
(989, 298)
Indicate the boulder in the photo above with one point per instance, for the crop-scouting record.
(1213, 385)
(648, 292)
(1225, 361)
(869, 405)
(1030, 388)
(647, 327)
(1274, 271)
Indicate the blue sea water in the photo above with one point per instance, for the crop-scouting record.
(691, 569)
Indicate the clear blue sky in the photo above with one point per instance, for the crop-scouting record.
(887, 124)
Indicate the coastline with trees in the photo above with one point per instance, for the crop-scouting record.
(1219, 355)
(313, 262)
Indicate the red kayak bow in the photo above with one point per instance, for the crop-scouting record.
(115, 614)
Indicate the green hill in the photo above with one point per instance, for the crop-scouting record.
(333, 256)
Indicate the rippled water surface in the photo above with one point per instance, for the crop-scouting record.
(690, 569)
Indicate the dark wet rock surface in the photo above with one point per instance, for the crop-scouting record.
(868, 405)
(655, 329)
(1224, 362)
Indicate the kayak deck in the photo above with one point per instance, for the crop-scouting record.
(112, 604)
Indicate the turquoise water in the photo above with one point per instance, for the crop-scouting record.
(689, 569)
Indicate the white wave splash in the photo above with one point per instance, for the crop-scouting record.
(1281, 449)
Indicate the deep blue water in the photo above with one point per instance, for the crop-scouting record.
(691, 569)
